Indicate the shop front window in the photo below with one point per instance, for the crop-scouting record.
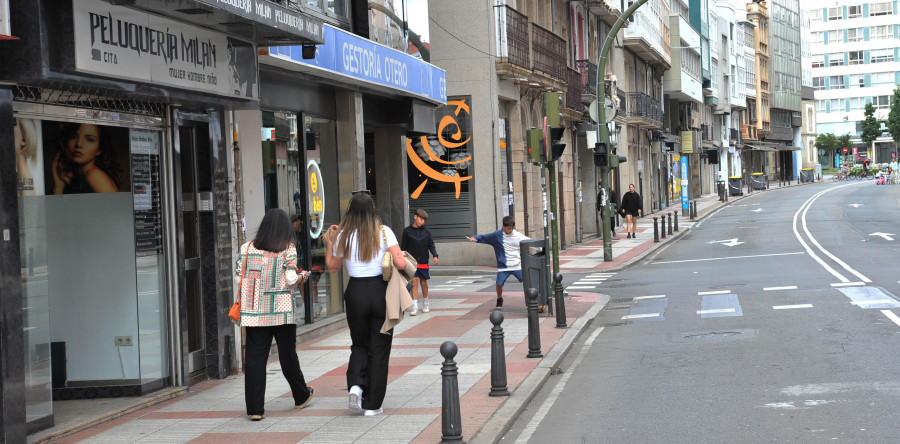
(93, 273)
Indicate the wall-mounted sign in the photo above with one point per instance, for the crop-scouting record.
(687, 142)
(315, 191)
(127, 44)
(274, 15)
(447, 157)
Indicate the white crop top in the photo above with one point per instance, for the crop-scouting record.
(358, 268)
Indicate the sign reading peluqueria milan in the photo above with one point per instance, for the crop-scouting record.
(127, 44)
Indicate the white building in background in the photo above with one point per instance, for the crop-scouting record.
(854, 62)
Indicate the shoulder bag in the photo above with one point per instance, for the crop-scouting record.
(387, 262)
(235, 312)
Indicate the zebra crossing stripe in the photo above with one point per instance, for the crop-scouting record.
(715, 311)
(583, 287)
(788, 307)
(891, 316)
(649, 297)
(790, 287)
(704, 293)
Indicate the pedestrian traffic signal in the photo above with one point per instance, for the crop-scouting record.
(534, 145)
(601, 154)
(556, 147)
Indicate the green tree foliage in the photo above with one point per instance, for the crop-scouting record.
(871, 127)
(893, 121)
(826, 141)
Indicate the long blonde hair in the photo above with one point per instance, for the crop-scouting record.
(361, 218)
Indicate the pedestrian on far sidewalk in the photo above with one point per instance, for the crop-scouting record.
(506, 248)
(614, 201)
(632, 207)
(417, 241)
(361, 241)
(269, 264)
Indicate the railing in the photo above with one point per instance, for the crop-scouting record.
(643, 27)
(512, 35)
(588, 72)
(548, 52)
(573, 90)
(642, 105)
(623, 102)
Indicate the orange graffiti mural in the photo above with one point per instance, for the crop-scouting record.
(419, 161)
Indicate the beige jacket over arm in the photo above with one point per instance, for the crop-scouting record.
(397, 298)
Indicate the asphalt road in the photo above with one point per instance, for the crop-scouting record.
(774, 320)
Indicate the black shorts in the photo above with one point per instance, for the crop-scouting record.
(632, 213)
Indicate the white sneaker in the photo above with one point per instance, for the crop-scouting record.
(374, 412)
(414, 311)
(356, 398)
(425, 306)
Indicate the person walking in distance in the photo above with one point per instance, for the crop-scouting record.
(417, 241)
(632, 207)
(266, 272)
(506, 247)
(614, 201)
(360, 241)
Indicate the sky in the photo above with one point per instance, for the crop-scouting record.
(418, 17)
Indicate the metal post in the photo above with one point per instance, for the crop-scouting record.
(676, 221)
(602, 128)
(554, 229)
(655, 230)
(548, 272)
(691, 209)
(498, 356)
(451, 418)
(662, 226)
(560, 304)
(670, 223)
(534, 332)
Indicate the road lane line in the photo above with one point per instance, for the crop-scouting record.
(545, 407)
(879, 301)
(704, 293)
(581, 287)
(727, 257)
(715, 311)
(657, 296)
(789, 287)
(788, 307)
(848, 284)
(812, 239)
(891, 316)
(641, 316)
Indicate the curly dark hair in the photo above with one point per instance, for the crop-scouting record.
(106, 160)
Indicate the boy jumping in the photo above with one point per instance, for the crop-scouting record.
(506, 247)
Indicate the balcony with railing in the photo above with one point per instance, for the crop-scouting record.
(512, 37)
(574, 91)
(588, 72)
(548, 52)
(643, 110)
(607, 10)
(644, 37)
(734, 136)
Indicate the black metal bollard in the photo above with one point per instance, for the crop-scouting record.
(534, 328)
(670, 224)
(655, 230)
(560, 303)
(662, 226)
(676, 221)
(498, 356)
(451, 417)
(691, 209)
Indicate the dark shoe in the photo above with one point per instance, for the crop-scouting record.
(257, 417)
(499, 302)
(614, 233)
(312, 392)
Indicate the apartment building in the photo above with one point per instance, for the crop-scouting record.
(854, 62)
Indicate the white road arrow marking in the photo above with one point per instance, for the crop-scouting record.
(855, 205)
(886, 236)
(729, 242)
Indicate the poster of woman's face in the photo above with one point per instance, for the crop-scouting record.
(85, 158)
(29, 162)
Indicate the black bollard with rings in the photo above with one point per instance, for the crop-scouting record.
(498, 356)
(560, 303)
(534, 328)
(670, 224)
(451, 417)
(655, 230)
(662, 226)
(676, 221)
(691, 209)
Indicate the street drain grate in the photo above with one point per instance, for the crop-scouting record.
(713, 335)
(621, 301)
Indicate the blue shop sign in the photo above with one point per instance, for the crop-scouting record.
(363, 59)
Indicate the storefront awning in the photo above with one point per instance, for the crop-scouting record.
(789, 148)
(758, 147)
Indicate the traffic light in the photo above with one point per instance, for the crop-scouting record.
(552, 105)
(556, 147)
(534, 145)
(601, 155)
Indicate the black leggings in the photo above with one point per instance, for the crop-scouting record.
(371, 350)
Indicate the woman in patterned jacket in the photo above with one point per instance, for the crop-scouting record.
(267, 272)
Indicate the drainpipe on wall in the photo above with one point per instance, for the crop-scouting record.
(239, 216)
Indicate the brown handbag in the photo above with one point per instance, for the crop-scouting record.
(235, 312)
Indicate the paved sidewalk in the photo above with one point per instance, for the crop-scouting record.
(213, 411)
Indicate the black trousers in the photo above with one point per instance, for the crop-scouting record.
(370, 350)
(259, 342)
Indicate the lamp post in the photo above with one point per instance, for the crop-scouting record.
(603, 129)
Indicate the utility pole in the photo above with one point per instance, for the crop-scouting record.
(603, 129)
